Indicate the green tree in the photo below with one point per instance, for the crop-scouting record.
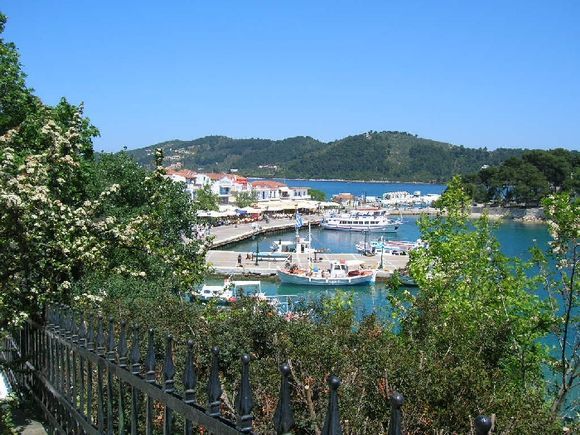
(206, 199)
(317, 195)
(63, 216)
(563, 216)
(245, 199)
(475, 316)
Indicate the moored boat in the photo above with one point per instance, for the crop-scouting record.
(338, 273)
(387, 247)
(229, 291)
(369, 220)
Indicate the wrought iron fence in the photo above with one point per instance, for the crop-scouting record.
(87, 381)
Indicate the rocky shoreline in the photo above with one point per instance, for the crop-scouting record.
(524, 215)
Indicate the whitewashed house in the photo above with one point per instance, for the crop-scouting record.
(267, 190)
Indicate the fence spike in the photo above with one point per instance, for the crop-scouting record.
(168, 365)
(135, 352)
(332, 421)
(395, 423)
(150, 360)
(91, 333)
(82, 331)
(284, 416)
(244, 402)
(482, 425)
(74, 326)
(214, 389)
(122, 350)
(111, 340)
(100, 336)
(189, 376)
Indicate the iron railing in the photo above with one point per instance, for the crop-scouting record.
(89, 382)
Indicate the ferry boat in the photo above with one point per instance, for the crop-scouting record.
(338, 273)
(369, 220)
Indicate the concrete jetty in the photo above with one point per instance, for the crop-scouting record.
(227, 234)
(226, 263)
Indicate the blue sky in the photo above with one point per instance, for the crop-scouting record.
(476, 73)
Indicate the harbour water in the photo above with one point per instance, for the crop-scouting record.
(360, 188)
(515, 238)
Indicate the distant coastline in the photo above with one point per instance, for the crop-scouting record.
(343, 180)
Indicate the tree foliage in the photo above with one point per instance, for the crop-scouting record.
(476, 315)
(63, 214)
(206, 199)
(527, 179)
(317, 195)
(563, 216)
(246, 199)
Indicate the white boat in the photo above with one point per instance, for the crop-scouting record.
(229, 291)
(338, 273)
(388, 247)
(369, 220)
(299, 245)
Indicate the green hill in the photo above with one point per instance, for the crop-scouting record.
(389, 155)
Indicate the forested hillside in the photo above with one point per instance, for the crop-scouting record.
(528, 178)
(389, 155)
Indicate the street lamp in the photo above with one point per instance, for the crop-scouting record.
(255, 236)
(382, 252)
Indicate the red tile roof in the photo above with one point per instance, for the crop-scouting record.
(268, 184)
(215, 176)
(187, 173)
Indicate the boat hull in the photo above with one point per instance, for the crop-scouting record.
(391, 228)
(290, 278)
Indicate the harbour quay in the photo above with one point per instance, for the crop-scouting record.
(226, 263)
(228, 234)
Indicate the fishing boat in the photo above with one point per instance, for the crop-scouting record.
(370, 220)
(338, 273)
(229, 291)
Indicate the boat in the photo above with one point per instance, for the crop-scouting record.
(338, 273)
(369, 220)
(299, 245)
(388, 247)
(229, 291)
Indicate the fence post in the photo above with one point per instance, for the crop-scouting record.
(332, 422)
(150, 377)
(135, 369)
(111, 358)
(168, 375)
(482, 425)
(75, 345)
(284, 416)
(90, 348)
(189, 383)
(122, 352)
(100, 392)
(396, 420)
(244, 402)
(82, 344)
(214, 389)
